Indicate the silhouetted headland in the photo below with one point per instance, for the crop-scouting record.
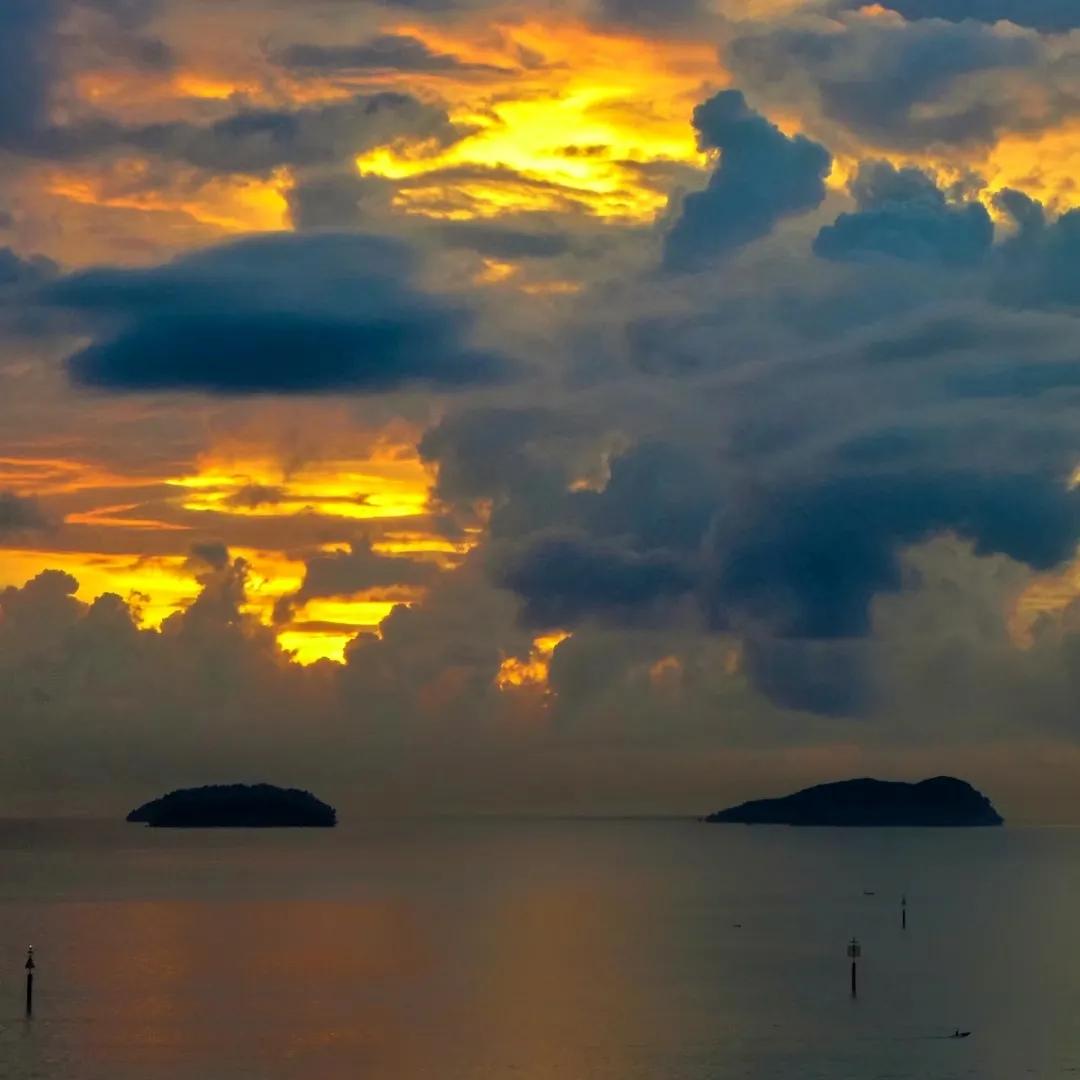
(941, 802)
(236, 806)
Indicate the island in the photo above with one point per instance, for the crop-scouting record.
(941, 802)
(236, 806)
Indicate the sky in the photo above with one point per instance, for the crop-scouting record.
(596, 407)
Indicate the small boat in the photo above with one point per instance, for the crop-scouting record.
(958, 1034)
(869, 892)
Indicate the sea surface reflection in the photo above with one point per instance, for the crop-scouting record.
(612, 950)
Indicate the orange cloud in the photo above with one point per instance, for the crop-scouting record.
(531, 671)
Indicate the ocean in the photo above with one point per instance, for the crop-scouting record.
(538, 950)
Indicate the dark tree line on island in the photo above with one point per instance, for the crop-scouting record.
(238, 806)
(942, 802)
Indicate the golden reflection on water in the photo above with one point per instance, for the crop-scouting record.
(325, 989)
(538, 951)
(162, 985)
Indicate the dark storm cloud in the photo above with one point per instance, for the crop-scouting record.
(494, 452)
(1046, 15)
(844, 431)
(902, 213)
(1040, 265)
(16, 270)
(563, 579)
(275, 314)
(831, 678)
(18, 512)
(387, 52)
(20, 280)
(809, 561)
(659, 495)
(763, 176)
(889, 82)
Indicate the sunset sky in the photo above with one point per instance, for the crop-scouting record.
(599, 406)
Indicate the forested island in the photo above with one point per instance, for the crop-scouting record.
(236, 806)
(940, 802)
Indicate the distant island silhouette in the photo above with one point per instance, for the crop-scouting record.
(236, 806)
(941, 802)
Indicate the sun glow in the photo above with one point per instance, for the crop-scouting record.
(393, 483)
(386, 486)
(228, 203)
(574, 130)
(531, 671)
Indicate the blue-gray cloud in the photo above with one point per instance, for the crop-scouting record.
(763, 176)
(274, 314)
(26, 28)
(890, 82)
(903, 214)
(387, 52)
(649, 15)
(1046, 15)
(18, 512)
(257, 141)
(808, 562)
(564, 578)
(1039, 266)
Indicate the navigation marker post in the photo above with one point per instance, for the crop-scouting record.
(30, 980)
(854, 951)
(903, 912)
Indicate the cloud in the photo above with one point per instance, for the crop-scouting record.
(763, 176)
(130, 14)
(26, 28)
(284, 314)
(897, 84)
(257, 141)
(903, 214)
(829, 678)
(17, 271)
(1040, 265)
(564, 579)
(387, 52)
(1047, 15)
(791, 504)
(252, 496)
(346, 573)
(213, 554)
(341, 199)
(31, 57)
(18, 512)
(648, 15)
(809, 562)
(505, 241)
(817, 436)
(493, 452)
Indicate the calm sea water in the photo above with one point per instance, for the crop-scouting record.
(606, 950)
